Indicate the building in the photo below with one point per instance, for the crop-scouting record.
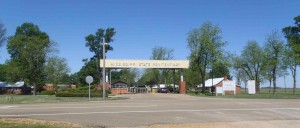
(16, 88)
(211, 85)
(119, 87)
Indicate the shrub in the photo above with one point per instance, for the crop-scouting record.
(86, 87)
(71, 89)
(78, 94)
(47, 93)
(107, 92)
(81, 92)
(189, 91)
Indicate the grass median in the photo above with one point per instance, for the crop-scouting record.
(31, 123)
(28, 99)
(264, 94)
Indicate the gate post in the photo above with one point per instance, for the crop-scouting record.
(182, 87)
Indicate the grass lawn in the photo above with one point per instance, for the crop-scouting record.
(27, 99)
(31, 123)
(264, 94)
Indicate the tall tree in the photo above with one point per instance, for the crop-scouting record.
(12, 71)
(274, 61)
(251, 62)
(220, 70)
(3, 74)
(28, 49)
(128, 76)
(2, 34)
(56, 69)
(161, 53)
(95, 42)
(236, 65)
(88, 69)
(292, 33)
(205, 44)
(192, 77)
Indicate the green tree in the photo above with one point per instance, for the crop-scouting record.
(95, 42)
(2, 34)
(251, 62)
(88, 69)
(220, 70)
(274, 61)
(128, 76)
(292, 33)
(125, 75)
(161, 53)
(74, 79)
(115, 76)
(3, 68)
(11, 71)
(192, 77)
(28, 49)
(292, 63)
(205, 44)
(238, 72)
(56, 70)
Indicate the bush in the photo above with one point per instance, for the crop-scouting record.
(71, 89)
(78, 94)
(189, 91)
(107, 92)
(83, 88)
(47, 93)
(86, 87)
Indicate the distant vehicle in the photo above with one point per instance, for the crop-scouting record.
(162, 90)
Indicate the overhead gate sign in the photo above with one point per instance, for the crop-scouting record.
(162, 64)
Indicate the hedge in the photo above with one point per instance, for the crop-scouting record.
(47, 93)
(80, 94)
(86, 87)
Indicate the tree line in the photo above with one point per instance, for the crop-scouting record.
(259, 63)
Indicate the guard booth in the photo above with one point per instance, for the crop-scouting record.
(156, 64)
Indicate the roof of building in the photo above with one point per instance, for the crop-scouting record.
(17, 84)
(208, 83)
(118, 82)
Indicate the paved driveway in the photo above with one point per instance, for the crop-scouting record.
(158, 109)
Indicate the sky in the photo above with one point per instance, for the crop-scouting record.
(144, 24)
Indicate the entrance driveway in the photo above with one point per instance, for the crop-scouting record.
(166, 110)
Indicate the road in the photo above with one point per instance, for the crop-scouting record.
(145, 110)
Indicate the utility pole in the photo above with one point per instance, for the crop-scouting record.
(103, 71)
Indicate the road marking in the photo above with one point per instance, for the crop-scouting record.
(169, 100)
(158, 111)
(7, 107)
(144, 106)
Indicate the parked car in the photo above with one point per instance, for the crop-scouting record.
(162, 90)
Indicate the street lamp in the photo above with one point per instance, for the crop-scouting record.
(103, 71)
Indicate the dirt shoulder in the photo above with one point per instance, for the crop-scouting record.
(241, 124)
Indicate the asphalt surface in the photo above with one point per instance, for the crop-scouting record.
(159, 109)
